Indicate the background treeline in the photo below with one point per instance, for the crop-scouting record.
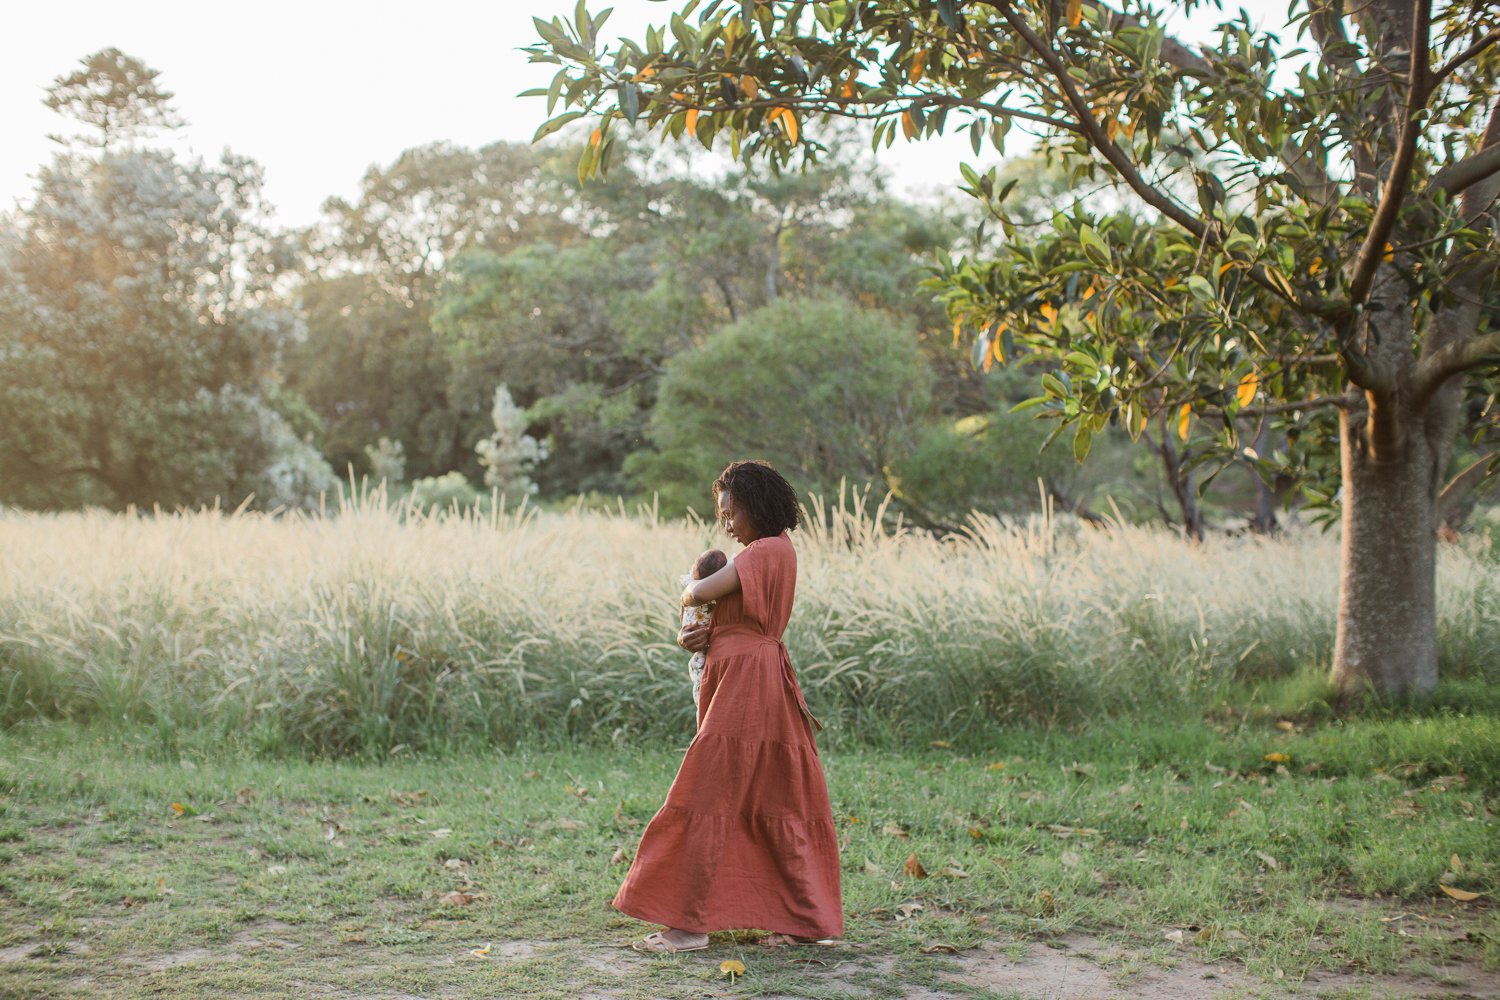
(476, 321)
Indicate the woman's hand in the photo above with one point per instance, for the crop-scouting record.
(693, 638)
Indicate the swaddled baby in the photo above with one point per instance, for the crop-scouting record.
(705, 566)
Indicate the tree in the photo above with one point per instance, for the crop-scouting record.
(369, 363)
(139, 327)
(509, 454)
(823, 389)
(114, 93)
(134, 351)
(1335, 269)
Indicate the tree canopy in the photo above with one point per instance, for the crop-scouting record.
(1323, 257)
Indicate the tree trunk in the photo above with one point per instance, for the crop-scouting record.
(1263, 521)
(1387, 620)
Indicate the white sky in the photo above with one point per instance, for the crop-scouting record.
(318, 90)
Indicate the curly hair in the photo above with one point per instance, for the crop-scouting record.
(765, 496)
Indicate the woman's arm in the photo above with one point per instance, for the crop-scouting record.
(712, 587)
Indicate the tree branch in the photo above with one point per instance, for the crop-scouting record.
(1464, 56)
(1417, 92)
(1446, 362)
(1463, 484)
(1116, 157)
(1456, 177)
(1345, 402)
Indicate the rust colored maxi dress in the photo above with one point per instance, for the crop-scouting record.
(745, 839)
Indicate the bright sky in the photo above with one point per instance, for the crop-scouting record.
(318, 90)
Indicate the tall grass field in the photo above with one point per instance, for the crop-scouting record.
(373, 628)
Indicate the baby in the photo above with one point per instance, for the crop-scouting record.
(706, 565)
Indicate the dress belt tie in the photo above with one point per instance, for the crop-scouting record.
(788, 675)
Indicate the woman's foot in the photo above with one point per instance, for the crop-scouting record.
(672, 940)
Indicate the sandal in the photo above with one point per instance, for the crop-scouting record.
(656, 943)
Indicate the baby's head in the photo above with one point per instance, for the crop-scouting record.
(709, 563)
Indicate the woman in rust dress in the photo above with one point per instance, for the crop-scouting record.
(745, 839)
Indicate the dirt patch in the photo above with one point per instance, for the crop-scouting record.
(19, 952)
(184, 957)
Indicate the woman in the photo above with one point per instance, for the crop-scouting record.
(746, 836)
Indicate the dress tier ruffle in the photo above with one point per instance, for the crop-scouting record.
(746, 837)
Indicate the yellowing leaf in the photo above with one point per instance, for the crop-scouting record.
(1246, 392)
(1462, 895)
(1390, 253)
(595, 137)
(788, 122)
(480, 952)
(1075, 14)
(1276, 758)
(731, 968)
(913, 867)
(1049, 313)
(940, 744)
(848, 88)
(958, 329)
(1184, 420)
(179, 808)
(918, 65)
(908, 124)
(692, 122)
(749, 86)
(999, 765)
(1284, 725)
(1456, 863)
(1111, 127)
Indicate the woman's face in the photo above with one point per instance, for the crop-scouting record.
(734, 519)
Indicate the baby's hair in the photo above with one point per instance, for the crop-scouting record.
(709, 563)
(763, 494)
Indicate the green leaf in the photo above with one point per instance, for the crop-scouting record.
(630, 101)
(1082, 439)
(551, 125)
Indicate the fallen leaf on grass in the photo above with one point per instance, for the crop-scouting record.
(913, 867)
(454, 863)
(457, 898)
(905, 910)
(1270, 861)
(732, 968)
(1174, 935)
(1286, 727)
(1046, 902)
(481, 952)
(442, 833)
(619, 857)
(276, 870)
(1456, 864)
(1207, 934)
(1277, 758)
(161, 888)
(1462, 895)
(999, 765)
(951, 872)
(940, 744)
(1070, 859)
(356, 939)
(871, 868)
(939, 949)
(894, 830)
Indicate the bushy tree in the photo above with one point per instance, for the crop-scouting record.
(1334, 268)
(823, 389)
(509, 454)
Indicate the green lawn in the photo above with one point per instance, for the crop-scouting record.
(1267, 856)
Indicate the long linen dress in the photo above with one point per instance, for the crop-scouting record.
(746, 838)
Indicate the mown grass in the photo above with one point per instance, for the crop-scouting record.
(1286, 847)
(377, 629)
